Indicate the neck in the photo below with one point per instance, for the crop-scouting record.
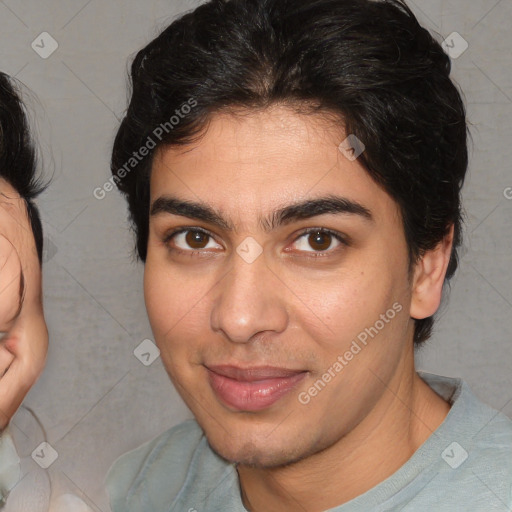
(401, 422)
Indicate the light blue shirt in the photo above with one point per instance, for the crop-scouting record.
(465, 465)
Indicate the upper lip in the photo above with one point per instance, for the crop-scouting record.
(253, 373)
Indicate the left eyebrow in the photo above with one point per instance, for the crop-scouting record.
(330, 204)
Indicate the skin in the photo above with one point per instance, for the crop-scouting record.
(24, 339)
(292, 309)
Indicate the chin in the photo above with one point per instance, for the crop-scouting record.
(256, 453)
(251, 456)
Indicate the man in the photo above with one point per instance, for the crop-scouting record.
(24, 335)
(293, 172)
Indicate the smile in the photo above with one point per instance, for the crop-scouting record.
(252, 389)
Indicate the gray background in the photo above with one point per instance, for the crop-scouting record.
(95, 400)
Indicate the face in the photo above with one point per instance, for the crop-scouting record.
(24, 335)
(271, 257)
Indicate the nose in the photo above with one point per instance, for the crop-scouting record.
(250, 300)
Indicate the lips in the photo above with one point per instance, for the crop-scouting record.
(254, 388)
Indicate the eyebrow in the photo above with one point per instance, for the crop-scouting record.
(330, 204)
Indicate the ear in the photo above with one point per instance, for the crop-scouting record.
(428, 280)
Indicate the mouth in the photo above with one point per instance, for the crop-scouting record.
(252, 389)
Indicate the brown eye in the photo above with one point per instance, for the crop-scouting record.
(196, 239)
(317, 240)
(190, 240)
(320, 241)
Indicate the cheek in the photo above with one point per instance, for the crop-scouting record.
(162, 298)
(10, 270)
(176, 305)
(336, 308)
(368, 334)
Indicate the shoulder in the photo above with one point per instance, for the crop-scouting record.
(172, 451)
(475, 444)
(479, 453)
(492, 453)
(152, 476)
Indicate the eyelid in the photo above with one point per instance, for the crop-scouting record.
(171, 234)
(343, 239)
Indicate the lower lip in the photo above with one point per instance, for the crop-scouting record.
(252, 396)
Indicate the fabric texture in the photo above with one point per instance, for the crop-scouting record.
(465, 465)
(28, 491)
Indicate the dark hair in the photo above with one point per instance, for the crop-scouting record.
(18, 164)
(368, 62)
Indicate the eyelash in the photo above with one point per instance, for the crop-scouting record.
(314, 254)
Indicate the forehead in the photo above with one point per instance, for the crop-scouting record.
(258, 160)
(271, 136)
